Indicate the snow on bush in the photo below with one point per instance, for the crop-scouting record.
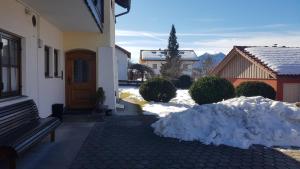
(238, 122)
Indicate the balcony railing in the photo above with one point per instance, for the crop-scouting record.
(96, 7)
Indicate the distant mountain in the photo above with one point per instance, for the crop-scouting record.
(215, 58)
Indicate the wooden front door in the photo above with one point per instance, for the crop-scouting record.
(80, 79)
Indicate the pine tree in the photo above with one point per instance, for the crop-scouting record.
(171, 69)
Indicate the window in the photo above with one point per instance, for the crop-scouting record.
(10, 60)
(154, 66)
(81, 71)
(56, 63)
(186, 66)
(47, 61)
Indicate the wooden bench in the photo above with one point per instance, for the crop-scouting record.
(21, 128)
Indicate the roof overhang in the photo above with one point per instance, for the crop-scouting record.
(232, 53)
(124, 50)
(66, 15)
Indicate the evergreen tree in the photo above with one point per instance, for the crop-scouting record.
(171, 69)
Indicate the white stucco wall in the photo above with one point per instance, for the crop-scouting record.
(107, 75)
(51, 90)
(122, 60)
(45, 92)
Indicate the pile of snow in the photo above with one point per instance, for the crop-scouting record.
(181, 102)
(238, 122)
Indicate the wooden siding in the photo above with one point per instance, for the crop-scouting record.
(240, 67)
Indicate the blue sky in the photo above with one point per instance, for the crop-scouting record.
(209, 25)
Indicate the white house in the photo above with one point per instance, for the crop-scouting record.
(123, 56)
(155, 58)
(58, 51)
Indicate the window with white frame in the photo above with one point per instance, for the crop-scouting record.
(50, 55)
(56, 63)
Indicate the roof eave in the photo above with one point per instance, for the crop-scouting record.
(241, 51)
(124, 50)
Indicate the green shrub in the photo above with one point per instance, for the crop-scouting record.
(157, 90)
(253, 88)
(175, 82)
(211, 89)
(184, 82)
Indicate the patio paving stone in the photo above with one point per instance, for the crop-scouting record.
(128, 142)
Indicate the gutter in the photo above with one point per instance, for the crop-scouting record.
(126, 12)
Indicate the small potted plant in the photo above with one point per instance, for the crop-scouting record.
(100, 98)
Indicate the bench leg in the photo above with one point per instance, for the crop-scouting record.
(12, 163)
(52, 136)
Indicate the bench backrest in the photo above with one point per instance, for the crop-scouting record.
(17, 115)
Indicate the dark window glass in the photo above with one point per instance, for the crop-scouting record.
(5, 51)
(56, 62)
(81, 71)
(154, 66)
(47, 61)
(10, 65)
(95, 2)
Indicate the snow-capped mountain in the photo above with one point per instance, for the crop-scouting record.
(215, 58)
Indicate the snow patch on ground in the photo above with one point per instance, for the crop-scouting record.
(135, 94)
(238, 122)
(181, 102)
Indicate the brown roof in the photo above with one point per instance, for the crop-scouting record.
(242, 49)
(242, 52)
(278, 55)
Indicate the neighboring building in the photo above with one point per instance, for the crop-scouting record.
(155, 58)
(277, 66)
(58, 51)
(123, 57)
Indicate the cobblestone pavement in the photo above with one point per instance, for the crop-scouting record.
(128, 142)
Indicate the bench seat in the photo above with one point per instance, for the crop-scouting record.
(21, 128)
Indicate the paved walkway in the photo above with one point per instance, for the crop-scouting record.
(58, 155)
(128, 142)
(130, 109)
